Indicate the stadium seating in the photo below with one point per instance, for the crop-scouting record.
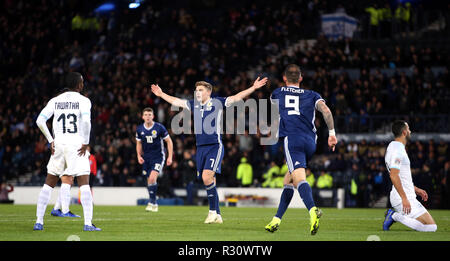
(366, 82)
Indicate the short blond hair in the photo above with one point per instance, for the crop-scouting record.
(147, 109)
(207, 85)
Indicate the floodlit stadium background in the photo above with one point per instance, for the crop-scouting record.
(372, 61)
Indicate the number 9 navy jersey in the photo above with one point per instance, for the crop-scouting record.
(297, 109)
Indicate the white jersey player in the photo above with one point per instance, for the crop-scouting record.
(71, 126)
(406, 208)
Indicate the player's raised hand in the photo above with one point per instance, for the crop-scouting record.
(157, 90)
(260, 82)
(332, 141)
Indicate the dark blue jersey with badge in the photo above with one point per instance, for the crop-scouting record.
(152, 141)
(207, 120)
(297, 111)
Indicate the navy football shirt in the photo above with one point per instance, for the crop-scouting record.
(297, 111)
(152, 140)
(207, 120)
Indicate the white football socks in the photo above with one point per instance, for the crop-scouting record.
(64, 196)
(43, 199)
(86, 202)
(414, 223)
(57, 203)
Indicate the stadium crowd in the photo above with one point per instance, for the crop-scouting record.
(175, 46)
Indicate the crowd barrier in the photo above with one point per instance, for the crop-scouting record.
(129, 196)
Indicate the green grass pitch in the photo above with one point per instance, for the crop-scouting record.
(185, 223)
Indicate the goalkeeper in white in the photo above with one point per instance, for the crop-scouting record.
(71, 124)
(406, 208)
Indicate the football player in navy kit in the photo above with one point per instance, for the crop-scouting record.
(207, 112)
(297, 108)
(150, 153)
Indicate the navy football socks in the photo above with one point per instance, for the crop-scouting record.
(152, 192)
(217, 202)
(306, 194)
(211, 192)
(285, 199)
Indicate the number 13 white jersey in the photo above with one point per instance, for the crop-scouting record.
(68, 109)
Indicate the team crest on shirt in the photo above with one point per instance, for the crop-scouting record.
(154, 133)
(397, 161)
(142, 133)
(209, 106)
(144, 172)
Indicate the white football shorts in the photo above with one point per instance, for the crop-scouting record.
(65, 161)
(417, 209)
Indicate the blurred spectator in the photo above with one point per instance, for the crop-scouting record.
(244, 173)
(279, 179)
(270, 175)
(352, 186)
(188, 171)
(324, 181)
(338, 164)
(245, 142)
(310, 178)
(374, 20)
(445, 186)
(5, 189)
(93, 164)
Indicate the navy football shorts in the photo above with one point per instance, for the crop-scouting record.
(209, 157)
(298, 151)
(149, 165)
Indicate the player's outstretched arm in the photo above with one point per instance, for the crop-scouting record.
(328, 117)
(241, 95)
(170, 99)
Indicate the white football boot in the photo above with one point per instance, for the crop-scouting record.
(211, 218)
